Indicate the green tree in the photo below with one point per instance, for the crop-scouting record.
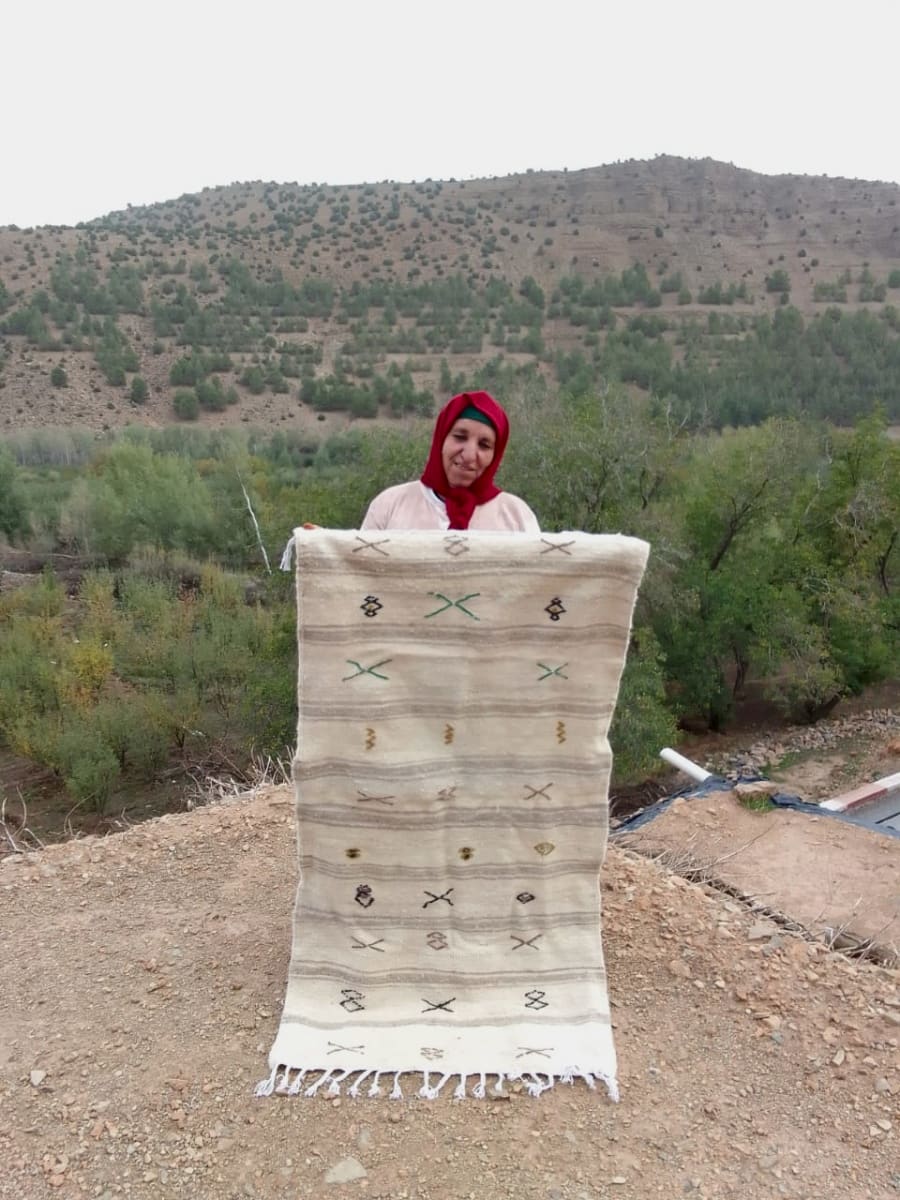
(13, 510)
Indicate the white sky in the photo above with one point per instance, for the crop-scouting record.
(106, 103)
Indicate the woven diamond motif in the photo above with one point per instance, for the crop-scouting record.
(455, 545)
(555, 608)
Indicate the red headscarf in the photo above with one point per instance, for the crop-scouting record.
(462, 501)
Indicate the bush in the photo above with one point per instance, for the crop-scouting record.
(186, 405)
(58, 377)
(86, 763)
(139, 390)
(778, 281)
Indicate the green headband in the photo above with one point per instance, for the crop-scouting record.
(471, 413)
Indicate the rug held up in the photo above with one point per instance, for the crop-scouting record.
(452, 767)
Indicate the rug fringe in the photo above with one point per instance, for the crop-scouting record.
(287, 558)
(266, 1087)
(335, 1082)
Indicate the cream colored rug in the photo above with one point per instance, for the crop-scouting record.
(451, 771)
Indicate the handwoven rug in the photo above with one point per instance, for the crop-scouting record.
(452, 767)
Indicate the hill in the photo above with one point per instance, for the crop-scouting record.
(143, 974)
(321, 303)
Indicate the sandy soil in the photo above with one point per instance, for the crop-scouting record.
(142, 976)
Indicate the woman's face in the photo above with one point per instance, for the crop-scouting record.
(467, 452)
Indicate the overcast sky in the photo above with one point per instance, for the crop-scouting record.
(109, 103)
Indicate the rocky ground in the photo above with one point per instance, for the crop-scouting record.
(814, 761)
(142, 976)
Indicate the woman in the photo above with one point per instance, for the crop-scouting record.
(457, 489)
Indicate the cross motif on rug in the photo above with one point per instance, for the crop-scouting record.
(448, 603)
(336, 1047)
(362, 798)
(560, 546)
(543, 1051)
(548, 671)
(525, 941)
(438, 1005)
(373, 670)
(359, 944)
(533, 792)
(367, 545)
(434, 898)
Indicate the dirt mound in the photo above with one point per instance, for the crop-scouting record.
(837, 880)
(142, 976)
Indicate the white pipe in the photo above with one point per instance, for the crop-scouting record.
(684, 764)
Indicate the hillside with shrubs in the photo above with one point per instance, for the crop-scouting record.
(691, 353)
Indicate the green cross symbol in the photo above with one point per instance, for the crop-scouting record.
(460, 604)
(361, 670)
(548, 671)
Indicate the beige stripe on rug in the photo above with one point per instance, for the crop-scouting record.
(452, 768)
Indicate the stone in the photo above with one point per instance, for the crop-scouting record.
(760, 930)
(756, 787)
(348, 1170)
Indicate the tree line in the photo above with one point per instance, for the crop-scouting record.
(775, 563)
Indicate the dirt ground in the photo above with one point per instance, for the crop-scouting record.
(142, 976)
(837, 880)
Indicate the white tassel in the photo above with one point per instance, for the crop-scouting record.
(501, 1079)
(282, 1084)
(431, 1093)
(396, 1093)
(478, 1091)
(354, 1087)
(294, 1089)
(266, 1086)
(313, 1088)
(334, 1088)
(287, 558)
(460, 1092)
(375, 1086)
